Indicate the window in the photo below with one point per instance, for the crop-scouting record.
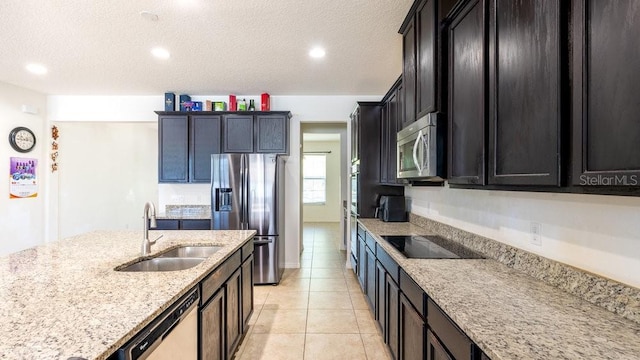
(314, 179)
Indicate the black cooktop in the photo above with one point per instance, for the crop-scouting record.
(429, 247)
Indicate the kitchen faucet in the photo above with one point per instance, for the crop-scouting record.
(149, 222)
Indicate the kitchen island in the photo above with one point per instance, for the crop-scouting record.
(507, 313)
(64, 299)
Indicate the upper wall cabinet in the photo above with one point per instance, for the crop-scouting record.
(262, 133)
(467, 90)
(204, 140)
(185, 145)
(424, 59)
(187, 140)
(238, 134)
(525, 92)
(173, 149)
(272, 134)
(409, 72)
(390, 123)
(606, 84)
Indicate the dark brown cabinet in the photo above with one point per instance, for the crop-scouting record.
(187, 140)
(259, 133)
(390, 124)
(173, 152)
(370, 277)
(233, 295)
(226, 304)
(605, 88)
(525, 92)
(362, 264)
(412, 331)
(183, 224)
(247, 291)
(212, 328)
(393, 317)
(238, 134)
(467, 103)
(381, 298)
(435, 350)
(185, 145)
(446, 338)
(424, 59)
(204, 140)
(272, 134)
(409, 72)
(426, 56)
(365, 140)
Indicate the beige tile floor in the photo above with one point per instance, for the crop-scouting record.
(317, 312)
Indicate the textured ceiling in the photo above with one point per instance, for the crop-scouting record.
(94, 47)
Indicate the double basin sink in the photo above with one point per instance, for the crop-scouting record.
(180, 258)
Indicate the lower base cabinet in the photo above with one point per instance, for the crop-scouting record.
(182, 224)
(226, 304)
(212, 329)
(247, 292)
(234, 321)
(393, 318)
(435, 350)
(381, 298)
(412, 331)
(413, 326)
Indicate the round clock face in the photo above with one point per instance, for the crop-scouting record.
(22, 139)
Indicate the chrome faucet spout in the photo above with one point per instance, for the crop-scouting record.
(149, 218)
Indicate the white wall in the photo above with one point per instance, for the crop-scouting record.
(107, 172)
(22, 221)
(331, 210)
(597, 233)
(141, 108)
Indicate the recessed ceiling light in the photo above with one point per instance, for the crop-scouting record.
(317, 52)
(160, 53)
(36, 69)
(148, 15)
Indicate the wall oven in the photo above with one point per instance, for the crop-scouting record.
(421, 149)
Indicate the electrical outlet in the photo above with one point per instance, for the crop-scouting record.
(536, 234)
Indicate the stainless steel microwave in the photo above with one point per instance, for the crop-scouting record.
(421, 149)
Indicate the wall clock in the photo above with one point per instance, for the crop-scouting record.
(22, 139)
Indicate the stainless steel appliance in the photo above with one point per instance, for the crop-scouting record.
(421, 149)
(173, 335)
(247, 192)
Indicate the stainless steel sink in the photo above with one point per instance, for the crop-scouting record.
(190, 252)
(163, 264)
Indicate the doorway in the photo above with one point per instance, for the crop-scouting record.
(323, 174)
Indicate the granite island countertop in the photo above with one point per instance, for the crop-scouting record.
(509, 314)
(64, 299)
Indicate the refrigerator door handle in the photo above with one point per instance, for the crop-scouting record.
(245, 186)
(242, 191)
(262, 242)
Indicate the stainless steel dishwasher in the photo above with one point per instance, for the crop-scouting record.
(173, 335)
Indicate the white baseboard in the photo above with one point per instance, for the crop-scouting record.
(292, 265)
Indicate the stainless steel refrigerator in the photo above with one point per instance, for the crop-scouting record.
(247, 192)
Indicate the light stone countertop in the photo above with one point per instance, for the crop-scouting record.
(64, 299)
(509, 314)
